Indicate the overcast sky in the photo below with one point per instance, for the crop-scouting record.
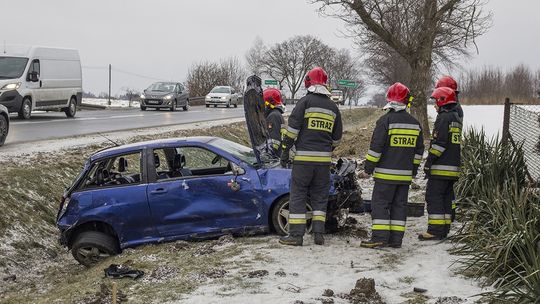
(162, 38)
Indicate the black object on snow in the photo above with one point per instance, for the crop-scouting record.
(118, 271)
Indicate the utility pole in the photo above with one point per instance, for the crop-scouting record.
(109, 84)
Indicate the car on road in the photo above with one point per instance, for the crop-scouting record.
(185, 189)
(165, 95)
(4, 124)
(222, 95)
(40, 78)
(337, 97)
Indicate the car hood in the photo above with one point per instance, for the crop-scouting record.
(256, 122)
(151, 94)
(218, 94)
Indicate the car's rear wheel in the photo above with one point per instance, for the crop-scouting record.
(186, 107)
(71, 110)
(280, 216)
(4, 128)
(26, 109)
(92, 247)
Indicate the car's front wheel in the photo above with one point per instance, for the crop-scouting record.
(280, 216)
(143, 108)
(92, 247)
(4, 128)
(229, 104)
(186, 107)
(26, 109)
(173, 106)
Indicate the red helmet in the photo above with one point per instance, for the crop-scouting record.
(444, 96)
(272, 97)
(447, 81)
(316, 76)
(398, 92)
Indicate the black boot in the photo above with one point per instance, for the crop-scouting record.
(291, 240)
(319, 238)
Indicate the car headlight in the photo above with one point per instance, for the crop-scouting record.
(11, 86)
(224, 98)
(142, 96)
(167, 97)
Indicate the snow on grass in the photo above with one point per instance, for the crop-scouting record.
(115, 103)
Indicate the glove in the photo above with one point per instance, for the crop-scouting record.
(426, 171)
(283, 163)
(369, 167)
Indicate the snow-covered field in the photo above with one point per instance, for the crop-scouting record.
(490, 118)
(114, 103)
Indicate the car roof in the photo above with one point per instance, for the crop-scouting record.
(151, 144)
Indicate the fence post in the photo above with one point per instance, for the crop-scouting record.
(506, 121)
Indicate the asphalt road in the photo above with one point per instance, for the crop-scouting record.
(56, 125)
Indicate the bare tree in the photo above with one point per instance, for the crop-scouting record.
(420, 31)
(519, 83)
(129, 93)
(386, 66)
(289, 61)
(203, 76)
(254, 57)
(340, 66)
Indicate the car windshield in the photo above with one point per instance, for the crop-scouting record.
(239, 151)
(162, 87)
(337, 93)
(12, 67)
(220, 90)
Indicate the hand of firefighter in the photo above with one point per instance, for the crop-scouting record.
(426, 171)
(284, 160)
(369, 167)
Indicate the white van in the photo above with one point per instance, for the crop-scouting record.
(40, 78)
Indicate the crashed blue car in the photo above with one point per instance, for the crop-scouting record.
(185, 189)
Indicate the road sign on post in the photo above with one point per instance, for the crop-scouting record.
(270, 82)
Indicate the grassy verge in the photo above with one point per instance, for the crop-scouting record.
(500, 238)
(34, 268)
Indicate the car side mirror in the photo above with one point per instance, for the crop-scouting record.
(33, 76)
(237, 170)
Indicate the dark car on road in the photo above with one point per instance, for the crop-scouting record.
(4, 124)
(165, 95)
(186, 188)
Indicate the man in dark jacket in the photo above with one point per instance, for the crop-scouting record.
(442, 165)
(274, 109)
(393, 158)
(315, 129)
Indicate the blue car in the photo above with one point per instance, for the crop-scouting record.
(183, 189)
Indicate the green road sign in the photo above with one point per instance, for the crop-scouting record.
(347, 83)
(270, 82)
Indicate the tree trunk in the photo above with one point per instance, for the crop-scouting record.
(420, 79)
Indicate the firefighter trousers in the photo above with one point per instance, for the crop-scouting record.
(439, 197)
(389, 212)
(313, 182)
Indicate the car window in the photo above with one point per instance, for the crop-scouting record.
(187, 162)
(114, 172)
(220, 90)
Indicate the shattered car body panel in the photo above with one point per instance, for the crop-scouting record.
(188, 188)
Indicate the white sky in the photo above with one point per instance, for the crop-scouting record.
(162, 38)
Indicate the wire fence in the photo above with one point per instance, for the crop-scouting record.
(523, 127)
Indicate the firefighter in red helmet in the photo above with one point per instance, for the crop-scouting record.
(315, 129)
(395, 152)
(274, 109)
(449, 82)
(442, 166)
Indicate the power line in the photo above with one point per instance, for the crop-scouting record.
(123, 72)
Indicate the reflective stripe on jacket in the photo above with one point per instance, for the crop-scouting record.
(444, 157)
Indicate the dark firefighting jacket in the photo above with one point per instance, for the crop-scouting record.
(315, 128)
(444, 157)
(396, 149)
(276, 126)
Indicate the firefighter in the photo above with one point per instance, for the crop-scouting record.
(395, 153)
(449, 82)
(274, 109)
(315, 128)
(442, 164)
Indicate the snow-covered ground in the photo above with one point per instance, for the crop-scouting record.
(114, 103)
(488, 117)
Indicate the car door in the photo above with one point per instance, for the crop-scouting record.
(202, 202)
(35, 86)
(119, 196)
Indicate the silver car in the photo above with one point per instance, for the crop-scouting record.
(165, 95)
(222, 95)
(4, 124)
